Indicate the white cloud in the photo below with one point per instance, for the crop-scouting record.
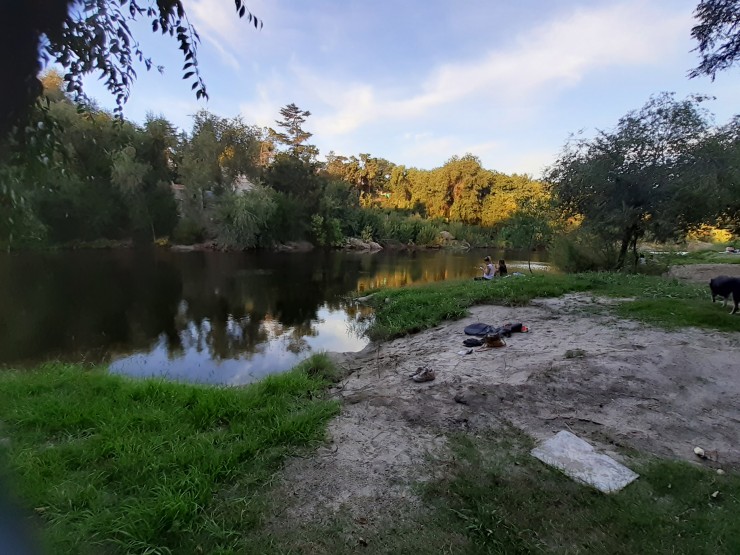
(462, 105)
(543, 60)
(231, 36)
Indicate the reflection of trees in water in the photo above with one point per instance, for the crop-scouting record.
(359, 320)
(73, 305)
(247, 307)
(93, 303)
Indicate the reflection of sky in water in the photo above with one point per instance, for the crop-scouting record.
(333, 332)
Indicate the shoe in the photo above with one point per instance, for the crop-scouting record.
(419, 370)
(494, 340)
(426, 375)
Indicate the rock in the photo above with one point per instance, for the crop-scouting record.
(446, 236)
(295, 246)
(353, 243)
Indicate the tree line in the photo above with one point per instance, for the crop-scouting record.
(79, 174)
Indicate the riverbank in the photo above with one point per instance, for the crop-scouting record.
(443, 465)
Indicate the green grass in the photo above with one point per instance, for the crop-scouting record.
(505, 501)
(698, 257)
(658, 301)
(495, 498)
(113, 465)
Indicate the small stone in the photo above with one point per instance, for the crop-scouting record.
(720, 472)
(459, 398)
(699, 452)
(715, 494)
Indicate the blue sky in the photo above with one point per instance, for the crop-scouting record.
(417, 82)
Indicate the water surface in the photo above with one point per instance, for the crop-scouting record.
(210, 317)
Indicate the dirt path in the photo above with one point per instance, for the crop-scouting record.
(617, 383)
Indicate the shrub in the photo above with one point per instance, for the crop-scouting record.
(710, 234)
(428, 234)
(580, 251)
(242, 218)
(367, 234)
(188, 232)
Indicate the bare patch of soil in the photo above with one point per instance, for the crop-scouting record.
(619, 384)
(702, 273)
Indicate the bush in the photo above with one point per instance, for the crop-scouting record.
(367, 234)
(326, 232)
(710, 234)
(578, 251)
(188, 232)
(428, 235)
(241, 219)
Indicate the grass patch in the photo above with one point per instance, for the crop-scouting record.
(505, 501)
(659, 301)
(495, 498)
(114, 465)
(681, 312)
(698, 257)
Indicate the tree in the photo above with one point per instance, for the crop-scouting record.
(635, 178)
(718, 35)
(368, 174)
(87, 37)
(294, 137)
(128, 175)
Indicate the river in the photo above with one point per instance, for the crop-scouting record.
(207, 317)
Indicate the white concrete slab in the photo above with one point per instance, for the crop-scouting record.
(578, 459)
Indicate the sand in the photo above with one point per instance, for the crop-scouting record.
(623, 386)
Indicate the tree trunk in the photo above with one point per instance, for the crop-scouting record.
(634, 252)
(626, 240)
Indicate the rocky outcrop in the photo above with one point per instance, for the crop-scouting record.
(355, 244)
(447, 241)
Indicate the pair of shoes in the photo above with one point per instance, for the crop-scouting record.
(423, 374)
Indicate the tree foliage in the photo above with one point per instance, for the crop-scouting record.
(85, 37)
(718, 36)
(654, 173)
(92, 177)
(293, 136)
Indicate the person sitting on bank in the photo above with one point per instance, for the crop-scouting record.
(488, 271)
(501, 269)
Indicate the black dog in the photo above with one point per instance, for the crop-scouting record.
(724, 286)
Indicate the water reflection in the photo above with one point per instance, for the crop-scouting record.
(207, 317)
(282, 348)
